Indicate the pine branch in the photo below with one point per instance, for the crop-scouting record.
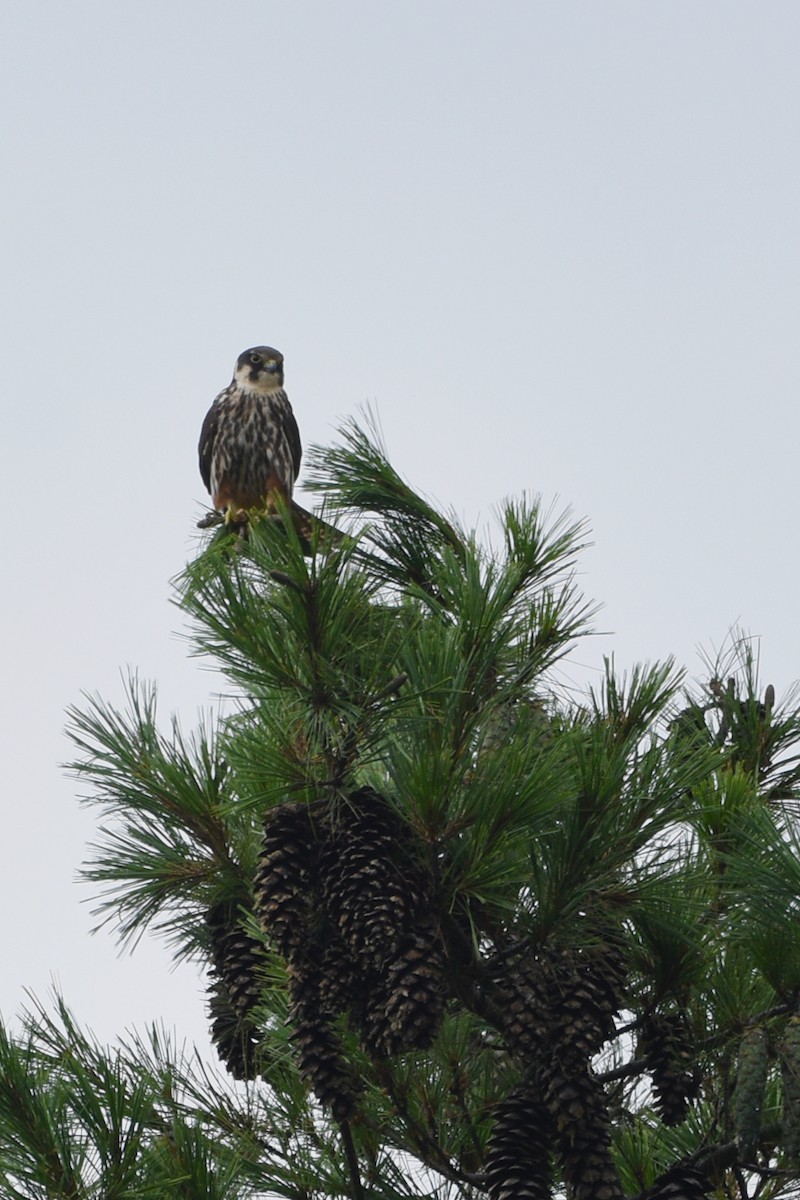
(171, 836)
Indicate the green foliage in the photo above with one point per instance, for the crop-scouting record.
(84, 1122)
(596, 898)
(80, 1122)
(173, 838)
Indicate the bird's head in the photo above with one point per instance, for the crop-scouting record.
(259, 369)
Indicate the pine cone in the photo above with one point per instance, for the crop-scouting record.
(790, 1078)
(235, 1038)
(585, 988)
(558, 1010)
(524, 1001)
(577, 1106)
(403, 1004)
(284, 880)
(367, 895)
(341, 984)
(518, 1157)
(236, 957)
(681, 1182)
(319, 1049)
(667, 1047)
(415, 995)
(377, 1035)
(751, 1081)
(568, 997)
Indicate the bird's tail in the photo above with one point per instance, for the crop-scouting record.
(312, 528)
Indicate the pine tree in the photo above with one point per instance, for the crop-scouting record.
(463, 931)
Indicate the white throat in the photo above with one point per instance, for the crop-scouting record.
(262, 386)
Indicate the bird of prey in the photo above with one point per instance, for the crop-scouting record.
(250, 444)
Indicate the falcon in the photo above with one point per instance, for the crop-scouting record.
(250, 444)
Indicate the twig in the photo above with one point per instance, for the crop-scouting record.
(637, 1066)
(420, 1142)
(392, 687)
(352, 1160)
(286, 581)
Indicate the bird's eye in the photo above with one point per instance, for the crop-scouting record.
(255, 359)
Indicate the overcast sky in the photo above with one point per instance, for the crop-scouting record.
(555, 244)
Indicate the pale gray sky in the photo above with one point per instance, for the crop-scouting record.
(555, 244)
